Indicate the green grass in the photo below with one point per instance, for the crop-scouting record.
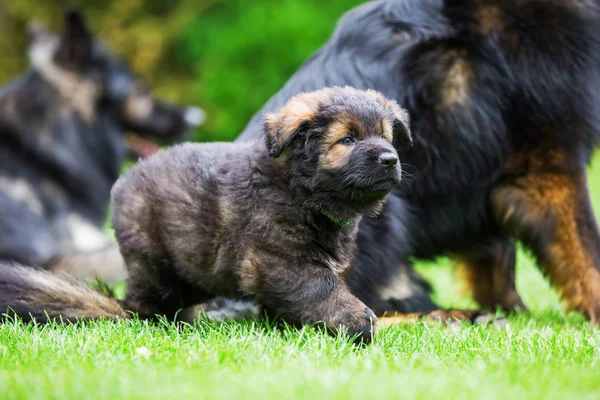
(542, 355)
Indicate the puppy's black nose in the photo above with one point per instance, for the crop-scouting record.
(388, 159)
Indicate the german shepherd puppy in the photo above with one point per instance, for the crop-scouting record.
(62, 130)
(274, 223)
(503, 99)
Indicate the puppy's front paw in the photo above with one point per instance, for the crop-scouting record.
(359, 323)
(368, 327)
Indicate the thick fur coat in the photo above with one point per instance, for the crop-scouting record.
(504, 103)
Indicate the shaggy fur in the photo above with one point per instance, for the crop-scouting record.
(276, 224)
(503, 96)
(62, 130)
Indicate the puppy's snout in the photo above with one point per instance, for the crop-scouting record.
(388, 159)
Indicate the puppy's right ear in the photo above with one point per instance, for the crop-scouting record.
(281, 129)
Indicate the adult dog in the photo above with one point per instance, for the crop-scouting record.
(62, 144)
(502, 95)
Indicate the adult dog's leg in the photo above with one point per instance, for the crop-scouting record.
(545, 204)
(399, 289)
(404, 298)
(25, 235)
(381, 275)
(106, 263)
(490, 276)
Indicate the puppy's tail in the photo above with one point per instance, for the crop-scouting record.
(31, 293)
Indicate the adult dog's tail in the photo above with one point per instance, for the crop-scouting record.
(33, 293)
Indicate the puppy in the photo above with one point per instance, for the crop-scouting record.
(276, 224)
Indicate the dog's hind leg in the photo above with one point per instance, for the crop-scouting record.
(25, 235)
(545, 203)
(106, 264)
(399, 289)
(490, 276)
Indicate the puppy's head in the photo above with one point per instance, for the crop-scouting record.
(340, 144)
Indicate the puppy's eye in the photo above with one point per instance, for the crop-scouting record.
(346, 140)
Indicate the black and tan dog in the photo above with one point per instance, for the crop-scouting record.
(62, 145)
(274, 223)
(503, 96)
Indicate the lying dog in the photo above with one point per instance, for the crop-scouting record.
(62, 130)
(503, 96)
(274, 223)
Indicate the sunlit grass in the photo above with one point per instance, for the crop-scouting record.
(544, 354)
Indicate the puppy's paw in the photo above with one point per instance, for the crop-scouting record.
(365, 333)
(360, 324)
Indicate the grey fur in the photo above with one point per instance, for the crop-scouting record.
(247, 221)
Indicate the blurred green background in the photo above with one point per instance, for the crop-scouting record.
(226, 56)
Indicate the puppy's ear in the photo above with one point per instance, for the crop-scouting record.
(76, 40)
(281, 129)
(401, 127)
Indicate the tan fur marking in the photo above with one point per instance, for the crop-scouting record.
(388, 131)
(304, 106)
(398, 288)
(249, 274)
(455, 89)
(400, 113)
(228, 212)
(560, 198)
(300, 108)
(335, 155)
(490, 18)
(79, 93)
(490, 278)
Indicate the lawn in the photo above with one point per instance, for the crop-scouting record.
(543, 354)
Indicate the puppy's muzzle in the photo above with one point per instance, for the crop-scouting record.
(388, 159)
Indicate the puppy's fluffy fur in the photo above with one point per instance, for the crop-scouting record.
(274, 223)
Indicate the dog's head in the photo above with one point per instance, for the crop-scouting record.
(93, 80)
(340, 143)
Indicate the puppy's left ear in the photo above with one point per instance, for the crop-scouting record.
(401, 127)
(281, 129)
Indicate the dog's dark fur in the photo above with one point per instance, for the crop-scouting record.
(62, 143)
(274, 223)
(503, 96)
